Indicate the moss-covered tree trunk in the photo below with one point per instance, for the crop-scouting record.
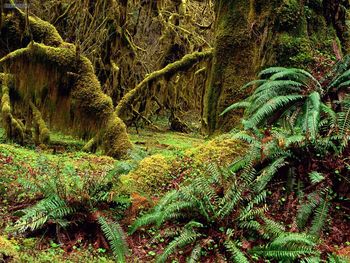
(254, 34)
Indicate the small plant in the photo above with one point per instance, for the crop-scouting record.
(297, 129)
(71, 199)
(219, 213)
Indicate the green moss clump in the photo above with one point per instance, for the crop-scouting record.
(8, 252)
(115, 140)
(289, 16)
(293, 51)
(150, 176)
(222, 150)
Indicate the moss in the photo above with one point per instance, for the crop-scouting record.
(293, 51)
(42, 133)
(8, 252)
(115, 140)
(186, 62)
(14, 128)
(151, 174)
(74, 104)
(222, 150)
(290, 16)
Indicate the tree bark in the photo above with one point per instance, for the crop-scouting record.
(254, 34)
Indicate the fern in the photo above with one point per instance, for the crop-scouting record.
(316, 177)
(290, 246)
(306, 210)
(236, 254)
(270, 107)
(186, 237)
(267, 173)
(116, 238)
(319, 220)
(37, 216)
(195, 254)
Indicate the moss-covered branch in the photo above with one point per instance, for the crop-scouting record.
(77, 106)
(186, 62)
(41, 31)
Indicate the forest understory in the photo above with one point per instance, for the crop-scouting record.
(175, 131)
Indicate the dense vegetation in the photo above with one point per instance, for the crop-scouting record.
(174, 131)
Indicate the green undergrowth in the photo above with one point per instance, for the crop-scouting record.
(165, 143)
(26, 250)
(159, 162)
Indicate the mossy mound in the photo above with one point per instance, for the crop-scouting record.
(221, 150)
(151, 174)
(8, 252)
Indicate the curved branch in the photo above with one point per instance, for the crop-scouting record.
(183, 64)
(79, 107)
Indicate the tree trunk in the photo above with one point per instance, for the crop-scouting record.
(251, 35)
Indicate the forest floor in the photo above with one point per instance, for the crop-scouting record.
(159, 162)
(17, 162)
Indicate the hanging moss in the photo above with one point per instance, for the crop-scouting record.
(14, 31)
(186, 62)
(14, 128)
(41, 132)
(66, 91)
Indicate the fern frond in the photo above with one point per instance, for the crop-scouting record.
(116, 237)
(238, 105)
(236, 254)
(195, 254)
(272, 228)
(147, 219)
(270, 71)
(316, 177)
(268, 172)
(271, 107)
(288, 247)
(319, 220)
(185, 238)
(38, 215)
(314, 114)
(306, 209)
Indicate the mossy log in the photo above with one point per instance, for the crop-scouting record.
(124, 106)
(64, 88)
(254, 34)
